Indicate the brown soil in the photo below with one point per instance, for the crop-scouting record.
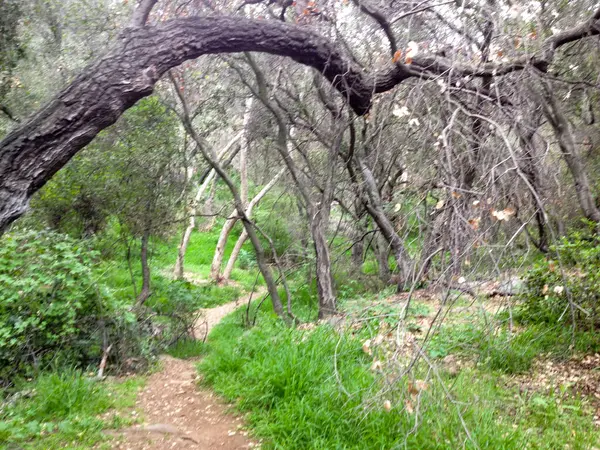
(577, 376)
(177, 413)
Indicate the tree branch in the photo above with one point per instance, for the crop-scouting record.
(141, 13)
(31, 154)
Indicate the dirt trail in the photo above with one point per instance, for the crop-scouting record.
(178, 414)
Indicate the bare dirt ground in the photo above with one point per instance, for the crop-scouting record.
(178, 414)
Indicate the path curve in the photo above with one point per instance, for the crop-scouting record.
(179, 414)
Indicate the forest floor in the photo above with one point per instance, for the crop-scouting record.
(179, 414)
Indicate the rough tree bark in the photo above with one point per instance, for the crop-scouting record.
(31, 154)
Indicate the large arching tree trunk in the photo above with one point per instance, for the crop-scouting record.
(30, 155)
(104, 90)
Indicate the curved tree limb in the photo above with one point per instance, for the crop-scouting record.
(31, 154)
(141, 13)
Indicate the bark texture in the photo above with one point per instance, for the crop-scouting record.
(31, 154)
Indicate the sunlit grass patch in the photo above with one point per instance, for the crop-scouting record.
(315, 388)
(63, 409)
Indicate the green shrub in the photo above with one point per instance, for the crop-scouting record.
(54, 312)
(246, 259)
(567, 286)
(49, 301)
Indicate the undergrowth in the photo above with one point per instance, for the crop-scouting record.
(314, 389)
(63, 409)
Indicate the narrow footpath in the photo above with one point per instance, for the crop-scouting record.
(179, 414)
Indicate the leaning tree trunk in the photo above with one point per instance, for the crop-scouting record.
(240, 242)
(217, 262)
(530, 169)
(215, 267)
(317, 215)
(245, 147)
(249, 227)
(187, 234)
(325, 290)
(375, 210)
(209, 208)
(562, 131)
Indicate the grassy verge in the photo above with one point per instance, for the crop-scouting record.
(314, 388)
(65, 409)
(495, 347)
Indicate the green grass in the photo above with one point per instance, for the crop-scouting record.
(496, 348)
(286, 382)
(187, 348)
(61, 410)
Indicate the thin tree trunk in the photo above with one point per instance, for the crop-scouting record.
(317, 212)
(208, 209)
(360, 228)
(215, 267)
(185, 239)
(385, 225)
(260, 257)
(530, 169)
(217, 262)
(244, 152)
(145, 291)
(566, 143)
(325, 290)
(382, 253)
(187, 234)
(240, 242)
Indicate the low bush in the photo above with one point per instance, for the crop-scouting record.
(61, 305)
(49, 301)
(566, 286)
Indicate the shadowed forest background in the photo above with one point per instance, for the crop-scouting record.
(394, 204)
